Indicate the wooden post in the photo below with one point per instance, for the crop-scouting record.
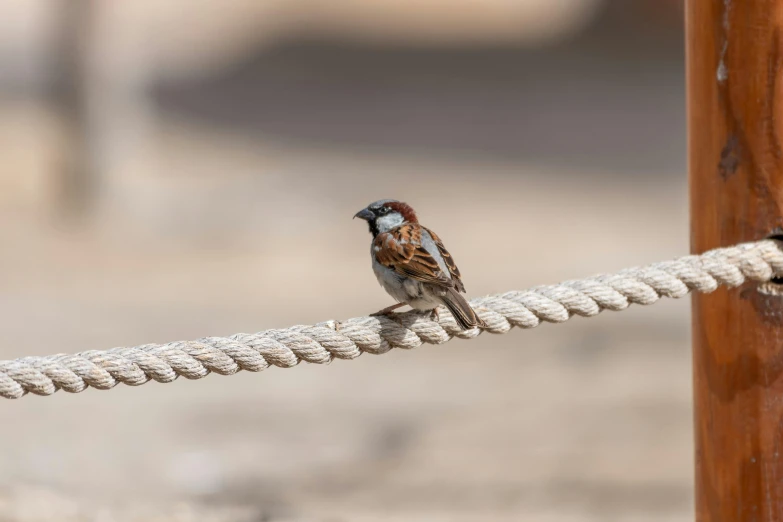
(735, 125)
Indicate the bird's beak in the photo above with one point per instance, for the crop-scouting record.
(364, 214)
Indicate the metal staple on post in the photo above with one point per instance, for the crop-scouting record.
(323, 342)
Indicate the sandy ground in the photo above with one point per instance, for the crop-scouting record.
(585, 421)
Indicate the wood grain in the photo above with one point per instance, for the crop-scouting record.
(736, 191)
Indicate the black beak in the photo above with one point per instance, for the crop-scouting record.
(364, 214)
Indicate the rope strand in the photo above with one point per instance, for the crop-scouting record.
(323, 342)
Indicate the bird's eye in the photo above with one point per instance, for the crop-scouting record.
(383, 210)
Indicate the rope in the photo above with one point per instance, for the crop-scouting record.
(323, 342)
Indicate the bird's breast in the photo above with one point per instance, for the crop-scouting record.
(401, 288)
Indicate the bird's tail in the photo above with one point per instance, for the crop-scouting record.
(464, 315)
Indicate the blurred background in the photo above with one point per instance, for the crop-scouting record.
(183, 168)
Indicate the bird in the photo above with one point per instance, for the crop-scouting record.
(412, 265)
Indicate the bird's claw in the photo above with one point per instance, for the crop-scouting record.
(389, 310)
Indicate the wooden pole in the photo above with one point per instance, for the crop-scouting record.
(735, 120)
(79, 176)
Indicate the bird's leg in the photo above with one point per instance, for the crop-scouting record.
(387, 310)
(434, 314)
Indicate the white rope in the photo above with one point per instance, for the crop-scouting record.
(320, 343)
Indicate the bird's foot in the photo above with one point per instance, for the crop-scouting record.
(388, 310)
(434, 315)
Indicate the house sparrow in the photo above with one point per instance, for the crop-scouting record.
(412, 264)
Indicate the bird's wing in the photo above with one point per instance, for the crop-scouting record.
(449, 260)
(401, 250)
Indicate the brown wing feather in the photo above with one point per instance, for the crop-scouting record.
(400, 249)
(450, 263)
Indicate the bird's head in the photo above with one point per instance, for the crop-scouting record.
(386, 214)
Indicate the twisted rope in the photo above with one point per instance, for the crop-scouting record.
(323, 342)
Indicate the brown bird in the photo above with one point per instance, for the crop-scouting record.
(412, 264)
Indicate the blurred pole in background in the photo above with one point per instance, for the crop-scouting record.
(735, 121)
(106, 70)
(77, 187)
